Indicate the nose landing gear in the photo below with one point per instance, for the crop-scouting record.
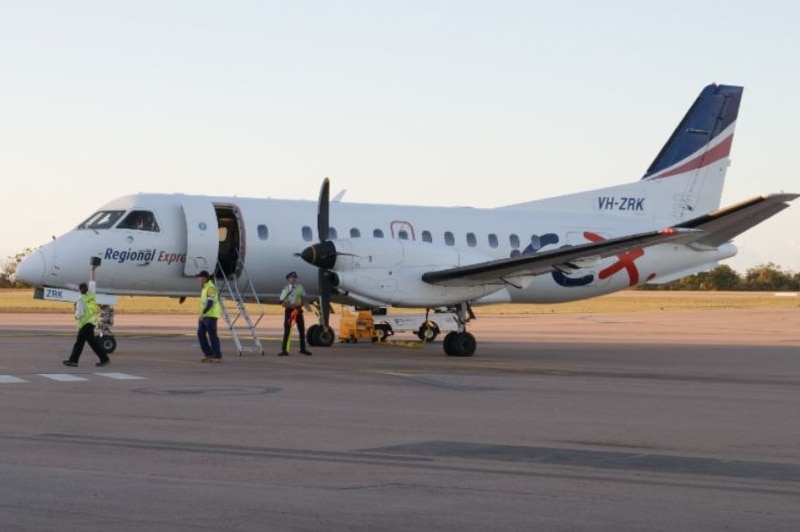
(104, 322)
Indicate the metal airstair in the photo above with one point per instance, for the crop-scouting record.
(241, 308)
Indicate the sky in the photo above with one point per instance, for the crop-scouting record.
(415, 102)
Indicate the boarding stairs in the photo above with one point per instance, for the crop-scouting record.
(242, 318)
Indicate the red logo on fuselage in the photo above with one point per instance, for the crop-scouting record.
(625, 261)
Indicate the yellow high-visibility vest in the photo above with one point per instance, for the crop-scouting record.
(210, 291)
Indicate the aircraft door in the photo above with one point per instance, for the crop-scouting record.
(202, 236)
(402, 230)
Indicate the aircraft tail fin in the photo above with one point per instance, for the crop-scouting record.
(703, 138)
(686, 177)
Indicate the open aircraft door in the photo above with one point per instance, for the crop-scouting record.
(202, 236)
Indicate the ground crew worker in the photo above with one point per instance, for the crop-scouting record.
(210, 311)
(86, 315)
(292, 301)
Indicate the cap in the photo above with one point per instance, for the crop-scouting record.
(291, 274)
(205, 274)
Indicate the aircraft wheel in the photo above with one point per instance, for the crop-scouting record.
(321, 337)
(428, 331)
(447, 344)
(462, 344)
(465, 344)
(109, 343)
(311, 334)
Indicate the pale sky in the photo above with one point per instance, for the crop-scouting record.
(427, 102)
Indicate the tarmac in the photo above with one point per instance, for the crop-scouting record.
(668, 421)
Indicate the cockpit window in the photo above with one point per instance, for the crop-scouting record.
(101, 220)
(139, 221)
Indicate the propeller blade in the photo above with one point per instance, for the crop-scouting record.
(324, 299)
(322, 210)
(323, 255)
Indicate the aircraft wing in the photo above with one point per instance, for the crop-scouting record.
(722, 225)
(503, 271)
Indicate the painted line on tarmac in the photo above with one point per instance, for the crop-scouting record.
(10, 379)
(62, 377)
(120, 376)
(68, 377)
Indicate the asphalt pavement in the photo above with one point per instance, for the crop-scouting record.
(650, 421)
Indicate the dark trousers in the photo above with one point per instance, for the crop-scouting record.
(86, 335)
(293, 315)
(209, 340)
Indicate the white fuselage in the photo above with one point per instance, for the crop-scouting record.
(269, 233)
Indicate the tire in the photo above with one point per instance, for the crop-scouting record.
(447, 344)
(428, 331)
(311, 334)
(109, 343)
(463, 344)
(382, 332)
(321, 337)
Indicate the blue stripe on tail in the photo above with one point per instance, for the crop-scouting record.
(714, 110)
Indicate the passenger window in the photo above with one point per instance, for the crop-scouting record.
(139, 221)
(101, 220)
(308, 235)
(514, 241)
(493, 243)
(427, 237)
(449, 239)
(263, 232)
(377, 233)
(355, 233)
(332, 234)
(402, 234)
(472, 241)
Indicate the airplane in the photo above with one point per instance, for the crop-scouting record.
(661, 227)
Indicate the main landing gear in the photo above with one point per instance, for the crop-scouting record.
(460, 343)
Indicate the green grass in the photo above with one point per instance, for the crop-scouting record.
(21, 301)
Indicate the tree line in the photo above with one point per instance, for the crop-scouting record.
(8, 278)
(767, 277)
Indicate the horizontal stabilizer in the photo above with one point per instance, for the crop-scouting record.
(724, 224)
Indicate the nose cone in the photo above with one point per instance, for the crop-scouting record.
(31, 269)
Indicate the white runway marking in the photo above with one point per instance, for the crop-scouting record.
(9, 379)
(62, 377)
(120, 376)
(69, 377)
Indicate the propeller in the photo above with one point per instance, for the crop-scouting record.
(323, 256)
